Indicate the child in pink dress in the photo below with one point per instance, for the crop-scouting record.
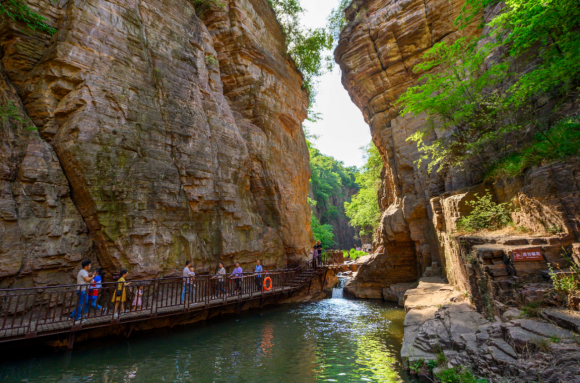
(137, 301)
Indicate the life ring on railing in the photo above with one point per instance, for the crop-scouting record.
(266, 286)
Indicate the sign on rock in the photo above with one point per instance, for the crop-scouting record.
(527, 255)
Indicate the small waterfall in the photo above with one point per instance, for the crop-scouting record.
(337, 292)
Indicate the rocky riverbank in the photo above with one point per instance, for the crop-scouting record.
(444, 330)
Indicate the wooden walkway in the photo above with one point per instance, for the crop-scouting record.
(35, 312)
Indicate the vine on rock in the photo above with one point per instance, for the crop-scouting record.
(18, 10)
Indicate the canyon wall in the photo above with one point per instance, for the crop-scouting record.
(345, 236)
(161, 137)
(377, 52)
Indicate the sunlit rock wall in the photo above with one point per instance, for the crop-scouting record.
(168, 154)
(378, 51)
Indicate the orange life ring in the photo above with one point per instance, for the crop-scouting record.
(266, 280)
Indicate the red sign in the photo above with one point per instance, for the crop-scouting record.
(527, 255)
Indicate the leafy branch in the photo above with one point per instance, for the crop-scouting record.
(18, 10)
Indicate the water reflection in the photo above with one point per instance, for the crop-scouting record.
(335, 340)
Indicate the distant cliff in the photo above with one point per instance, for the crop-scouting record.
(161, 137)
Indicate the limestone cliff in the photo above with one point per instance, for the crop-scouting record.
(377, 52)
(161, 137)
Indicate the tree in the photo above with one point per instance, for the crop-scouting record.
(363, 210)
(488, 104)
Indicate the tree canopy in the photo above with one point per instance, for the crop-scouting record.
(363, 210)
(487, 92)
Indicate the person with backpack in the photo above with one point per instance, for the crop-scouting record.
(94, 291)
(120, 295)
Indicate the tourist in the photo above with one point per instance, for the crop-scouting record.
(191, 283)
(237, 275)
(319, 255)
(258, 277)
(186, 281)
(220, 279)
(120, 295)
(83, 278)
(94, 291)
(138, 300)
(314, 255)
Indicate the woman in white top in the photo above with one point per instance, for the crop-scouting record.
(220, 277)
(187, 286)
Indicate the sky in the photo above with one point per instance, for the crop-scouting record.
(342, 129)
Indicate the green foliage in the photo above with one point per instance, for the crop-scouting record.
(363, 210)
(486, 120)
(337, 19)
(322, 233)
(211, 60)
(458, 375)
(18, 10)
(431, 365)
(328, 178)
(566, 284)
(11, 115)
(202, 6)
(441, 359)
(353, 254)
(328, 182)
(486, 214)
(558, 143)
(417, 365)
(306, 47)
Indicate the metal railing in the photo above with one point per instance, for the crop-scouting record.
(29, 312)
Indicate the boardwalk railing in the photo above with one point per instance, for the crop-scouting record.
(31, 312)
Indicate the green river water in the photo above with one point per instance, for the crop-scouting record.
(334, 340)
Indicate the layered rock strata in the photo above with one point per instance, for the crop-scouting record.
(377, 53)
(179, 138)
(442, 323)
(378, 50)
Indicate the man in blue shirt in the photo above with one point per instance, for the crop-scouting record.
(237, 275)
(258, 277)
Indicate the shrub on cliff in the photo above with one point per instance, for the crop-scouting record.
(489, 96)
(18, 10)
(486, 214)
(305, 46)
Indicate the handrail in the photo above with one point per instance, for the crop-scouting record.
(33, 311)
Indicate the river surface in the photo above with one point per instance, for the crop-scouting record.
(333, 340)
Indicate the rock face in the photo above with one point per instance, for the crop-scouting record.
(440, 321)
(43, 237)
(377, 52)
(164, 137)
